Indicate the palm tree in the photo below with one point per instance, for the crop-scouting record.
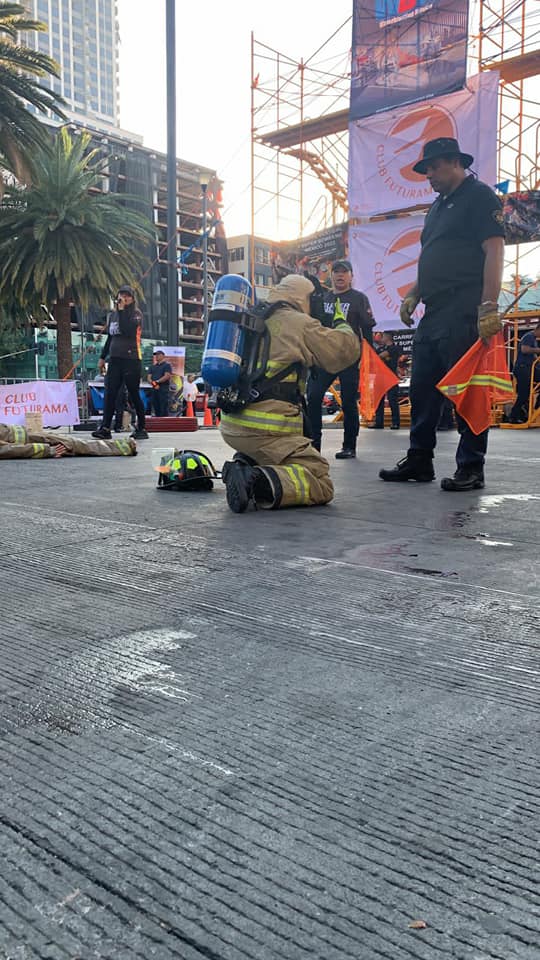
(62, 241)
(21, 68)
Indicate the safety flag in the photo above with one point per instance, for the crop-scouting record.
(477, 381)
(376, 379)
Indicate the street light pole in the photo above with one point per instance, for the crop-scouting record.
(172, 268)
(204, 187)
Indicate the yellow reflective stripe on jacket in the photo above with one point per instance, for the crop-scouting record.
(263, 420)
(39, 450)
(477, 380)
(273, 367)
(19, 434)
(124, 447)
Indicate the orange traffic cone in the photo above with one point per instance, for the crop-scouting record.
(207, 419)
(189, 409)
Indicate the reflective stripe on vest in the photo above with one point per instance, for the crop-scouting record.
(477, 380)
(263, 420)
(39, 450)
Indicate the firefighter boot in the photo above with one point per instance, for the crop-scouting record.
(417, 465)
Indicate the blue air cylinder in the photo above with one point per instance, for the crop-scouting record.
(225, 339)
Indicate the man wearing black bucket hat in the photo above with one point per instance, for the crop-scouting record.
(459, 281)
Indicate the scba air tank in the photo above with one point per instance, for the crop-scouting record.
(225, 339)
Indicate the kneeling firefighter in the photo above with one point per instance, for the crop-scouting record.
(262, 406)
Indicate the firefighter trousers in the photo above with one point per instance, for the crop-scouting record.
(299, 476)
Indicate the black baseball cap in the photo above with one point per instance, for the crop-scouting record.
(158, 350)
(129, 291)
(342, 265)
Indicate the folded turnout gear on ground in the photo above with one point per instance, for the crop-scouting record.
(16, 443)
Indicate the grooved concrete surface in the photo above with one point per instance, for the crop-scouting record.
(278, 736)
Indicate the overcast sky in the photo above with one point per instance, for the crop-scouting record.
(214, 73)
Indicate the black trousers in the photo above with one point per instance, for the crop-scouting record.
(446, 332)
(393, 403)
(118, 372)
(318, 383)
(523, 377)
(160, 402)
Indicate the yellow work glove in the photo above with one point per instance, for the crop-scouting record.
(406, 310)
(489, 321)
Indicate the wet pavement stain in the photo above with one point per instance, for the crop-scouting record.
(431, 573)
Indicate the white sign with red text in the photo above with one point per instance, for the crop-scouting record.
(384, 256)
(384, 148)
(55, 400)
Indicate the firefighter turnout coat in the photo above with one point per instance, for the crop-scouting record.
(271, 431)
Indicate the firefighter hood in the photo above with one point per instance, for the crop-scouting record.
(295, 290)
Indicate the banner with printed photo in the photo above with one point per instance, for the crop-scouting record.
(383, 149)
(314, 254)
(384, 257)
(55, 400)
(404, 51)
(176, 356)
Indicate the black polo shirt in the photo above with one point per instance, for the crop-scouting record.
(454, 231)
(356, 310)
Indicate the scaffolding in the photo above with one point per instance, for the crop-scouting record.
(299, 138)
(508, 41)
(300, 119)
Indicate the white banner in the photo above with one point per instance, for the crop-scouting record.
(384, 148)
(56, 400)
(384, 257)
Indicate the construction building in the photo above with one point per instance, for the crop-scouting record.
(251, 257)
(82, 36)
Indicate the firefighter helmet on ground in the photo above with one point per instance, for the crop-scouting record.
(187, 470)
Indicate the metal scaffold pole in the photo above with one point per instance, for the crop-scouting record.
(172, 268)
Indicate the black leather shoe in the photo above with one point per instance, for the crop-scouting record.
(239, 479)
(346, 454)
(464, 479)
(375, 426)
(410, 468)
(395, 426)
(102, 433)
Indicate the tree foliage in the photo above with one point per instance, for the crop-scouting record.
(21, 71)
(63, 241)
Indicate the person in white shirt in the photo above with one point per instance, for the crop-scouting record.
(190, 391)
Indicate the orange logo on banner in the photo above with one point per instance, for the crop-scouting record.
(396, 272)
(433, 122)
(424, 123)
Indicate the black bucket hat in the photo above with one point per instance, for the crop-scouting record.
(442, 147)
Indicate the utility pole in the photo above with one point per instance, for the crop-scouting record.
(172, 268)
(204, 188)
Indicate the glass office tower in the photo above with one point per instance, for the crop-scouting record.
(82, 36)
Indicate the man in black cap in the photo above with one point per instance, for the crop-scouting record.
(459, 280)
(354, 307)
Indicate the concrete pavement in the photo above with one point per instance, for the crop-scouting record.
(278, 735)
